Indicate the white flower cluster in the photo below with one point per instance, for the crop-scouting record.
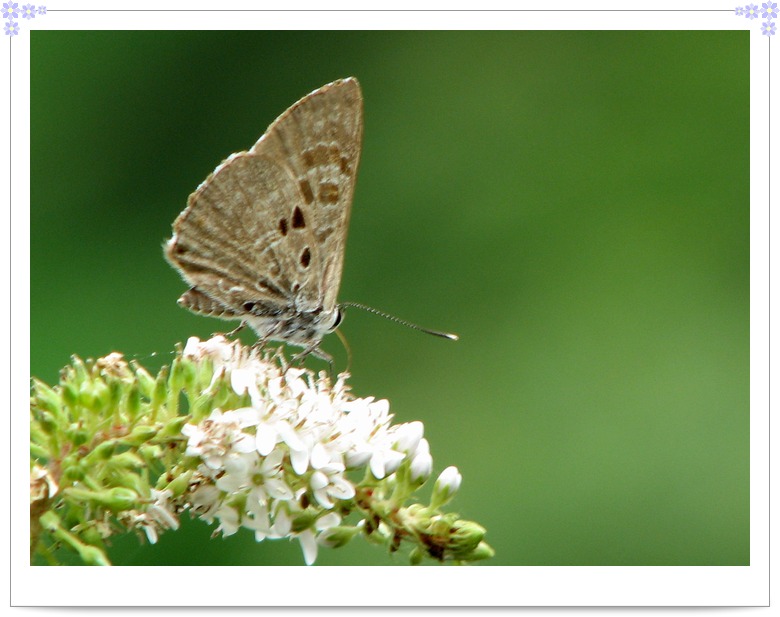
(279, 467)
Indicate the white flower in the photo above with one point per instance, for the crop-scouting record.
(161, 510)
(309, 546)
(220, 434)
(42, 484)
(229, 519)
(158, 516)
(280, 466)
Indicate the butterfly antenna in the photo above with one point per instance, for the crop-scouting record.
(398, 320)
(344, 342)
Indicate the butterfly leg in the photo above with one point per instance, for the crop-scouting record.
(235, 330)
(317, 353)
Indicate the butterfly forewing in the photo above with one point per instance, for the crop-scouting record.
(320, 138)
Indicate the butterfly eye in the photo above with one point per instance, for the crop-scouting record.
(339, 318)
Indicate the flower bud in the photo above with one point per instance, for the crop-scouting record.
(447, 484)
(140, 435)
(134, 401)
(409, 436)
(144, 379)
(465, 537)
(420, 468)
(160, 392)
(483, 551)
(335, 537)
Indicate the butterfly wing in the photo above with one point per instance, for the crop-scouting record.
(319, 138)
(266, 231)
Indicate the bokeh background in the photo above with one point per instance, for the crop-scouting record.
(573, 204)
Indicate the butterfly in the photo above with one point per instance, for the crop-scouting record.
(262, 239)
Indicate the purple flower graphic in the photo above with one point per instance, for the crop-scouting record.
(740, 10)
(28, 11)
(41, 10)
(9, 10)
(11, 28)
(751, 11)
(770, 10)
(769, 28)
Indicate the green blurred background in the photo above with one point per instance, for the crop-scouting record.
(573, 204)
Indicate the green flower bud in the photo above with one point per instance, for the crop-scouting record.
(80, 372)
(72, 473)
(92, 556)
(91, 535)
(77, 435)
(336, 537)
(177, 380)
(134, 402)
(115, 499)
(131, 480)
(101, 396)
(304, 520)
(465, 536)
(150, 452)
(144, 379)
(180, 484)
(103, 451)
(46, 398)
(87, 395)
(160, 393)
(46, 421)
(188, 372)
(116, 389)
(172, 428)
(416, 556)
(140, 435)
(127, 460)
(70, 394)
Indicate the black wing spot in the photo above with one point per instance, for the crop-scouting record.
(283, 226)
(306, 257)
(248, 306)
(298, 222)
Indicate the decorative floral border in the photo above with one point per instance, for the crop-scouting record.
(11, 11)
(768, 11)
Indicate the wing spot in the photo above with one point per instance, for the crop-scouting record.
(321, 155)
(298, 222)
(248, 306)
(283, 226)
(344, 163)
(329, 192)
(308, 195)
(306, 257)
